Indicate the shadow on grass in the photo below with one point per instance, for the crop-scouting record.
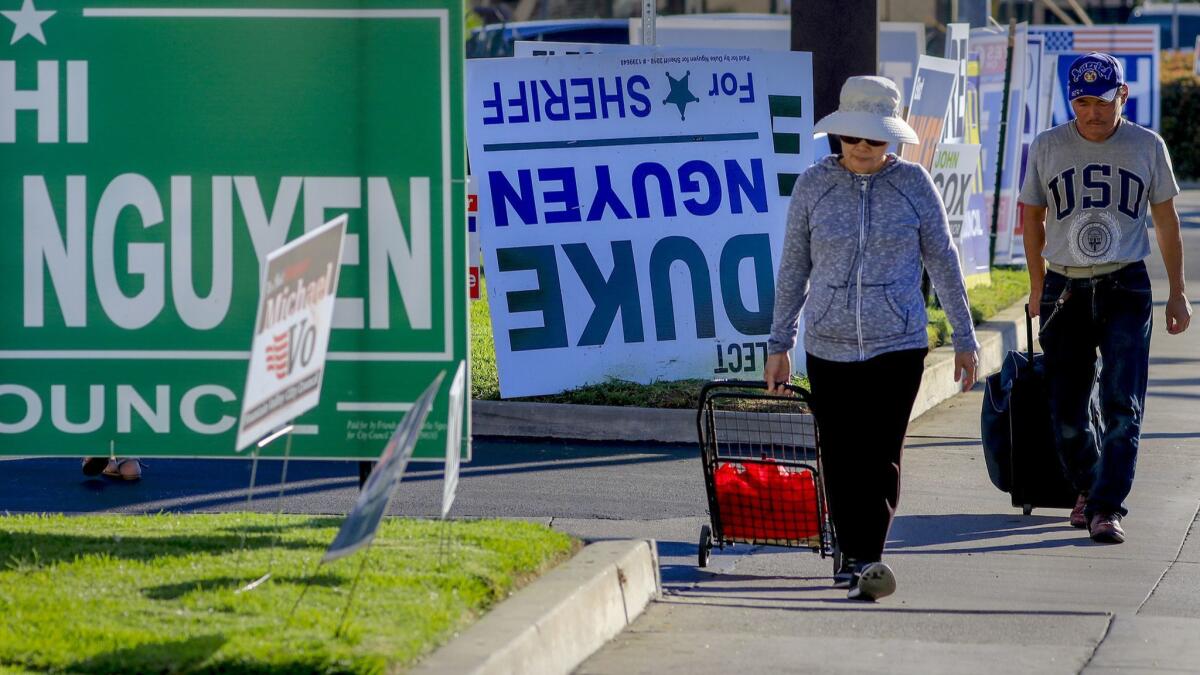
(172, 656)
(319, 523)
(176, 591)
(37, 548)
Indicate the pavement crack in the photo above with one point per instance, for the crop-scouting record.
(1107, 630)
(1173, 562)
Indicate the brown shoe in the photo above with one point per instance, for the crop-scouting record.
(1078, 519)
(1105, 528)
(126, 468)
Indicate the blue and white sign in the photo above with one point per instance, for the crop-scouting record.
(992, 48)
(953, 171)
(631, 219)
(901, 44)
(957, 39)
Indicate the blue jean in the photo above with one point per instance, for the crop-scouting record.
(1111, 314)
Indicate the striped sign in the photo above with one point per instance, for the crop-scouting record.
(1136, 47)
(1108, 39)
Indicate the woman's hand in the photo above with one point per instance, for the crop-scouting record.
(778, 373)
(965, 365)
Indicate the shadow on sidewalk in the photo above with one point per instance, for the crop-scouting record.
(969, 533)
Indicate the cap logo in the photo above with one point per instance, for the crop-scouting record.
(1091, 71)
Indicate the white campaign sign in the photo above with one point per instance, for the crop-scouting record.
(957, 40)
(454, 435)
(953, 171)
(781, 85)
(291, 331)
(632, 205)
(901, 45)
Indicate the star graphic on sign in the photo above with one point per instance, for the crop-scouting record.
(28, 21)
(680, 94)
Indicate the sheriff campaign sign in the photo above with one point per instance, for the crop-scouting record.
(151, 158)
(632, 211)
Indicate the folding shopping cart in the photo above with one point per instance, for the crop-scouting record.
(762, 470)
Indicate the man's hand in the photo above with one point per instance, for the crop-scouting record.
(1179, 314)
(778, 373)
(965, 365)
(1035, 301)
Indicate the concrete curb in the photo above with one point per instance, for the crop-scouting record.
(560, 619)
(507, 419)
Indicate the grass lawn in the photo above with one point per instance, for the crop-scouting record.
(157, 594)
(1008, 286)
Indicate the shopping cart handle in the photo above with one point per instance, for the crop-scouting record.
(798, 391)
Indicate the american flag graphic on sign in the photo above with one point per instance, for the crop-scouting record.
(1109, 39)
(277, 355)
(1136, 47)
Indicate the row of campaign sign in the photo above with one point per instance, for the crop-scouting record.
(632, 199)
(630, 209)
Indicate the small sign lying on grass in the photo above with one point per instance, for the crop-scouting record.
(363, 520)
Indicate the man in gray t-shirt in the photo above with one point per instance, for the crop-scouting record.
(1092, 186)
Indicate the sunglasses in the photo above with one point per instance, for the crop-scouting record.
(854, 140)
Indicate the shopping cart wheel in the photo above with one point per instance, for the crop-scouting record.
(837, 557)
(705, 545)
(1027, 509)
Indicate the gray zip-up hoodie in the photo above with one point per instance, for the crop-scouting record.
(854, 251)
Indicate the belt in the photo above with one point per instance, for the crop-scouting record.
(1085, 272)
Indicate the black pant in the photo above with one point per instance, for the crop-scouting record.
(862, 410)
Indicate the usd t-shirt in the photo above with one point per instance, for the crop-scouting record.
(1097, 195)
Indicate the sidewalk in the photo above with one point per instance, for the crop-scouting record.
(982, 589)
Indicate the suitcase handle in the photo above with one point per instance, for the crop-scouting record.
(1029, 332)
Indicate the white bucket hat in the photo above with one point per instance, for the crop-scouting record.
(869, 107)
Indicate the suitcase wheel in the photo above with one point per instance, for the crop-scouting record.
(1027, 509)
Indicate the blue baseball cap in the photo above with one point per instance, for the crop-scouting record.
(1095, 74)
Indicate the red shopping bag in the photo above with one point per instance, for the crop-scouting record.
(765, 501)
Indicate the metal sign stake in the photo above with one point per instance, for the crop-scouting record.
(266, 440)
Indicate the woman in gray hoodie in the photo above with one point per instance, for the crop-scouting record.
(861, 227)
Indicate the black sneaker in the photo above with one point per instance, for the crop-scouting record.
(844, 575)
(92, 466)
(874, 581)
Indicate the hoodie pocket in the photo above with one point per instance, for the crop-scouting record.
(833, 316)
(883, 316)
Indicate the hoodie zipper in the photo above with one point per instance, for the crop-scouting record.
(862, 227)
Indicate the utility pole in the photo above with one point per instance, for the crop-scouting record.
(844, 40)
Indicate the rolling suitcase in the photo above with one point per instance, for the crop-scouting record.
(1018, 436)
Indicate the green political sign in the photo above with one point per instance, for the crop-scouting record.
(151, 158)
